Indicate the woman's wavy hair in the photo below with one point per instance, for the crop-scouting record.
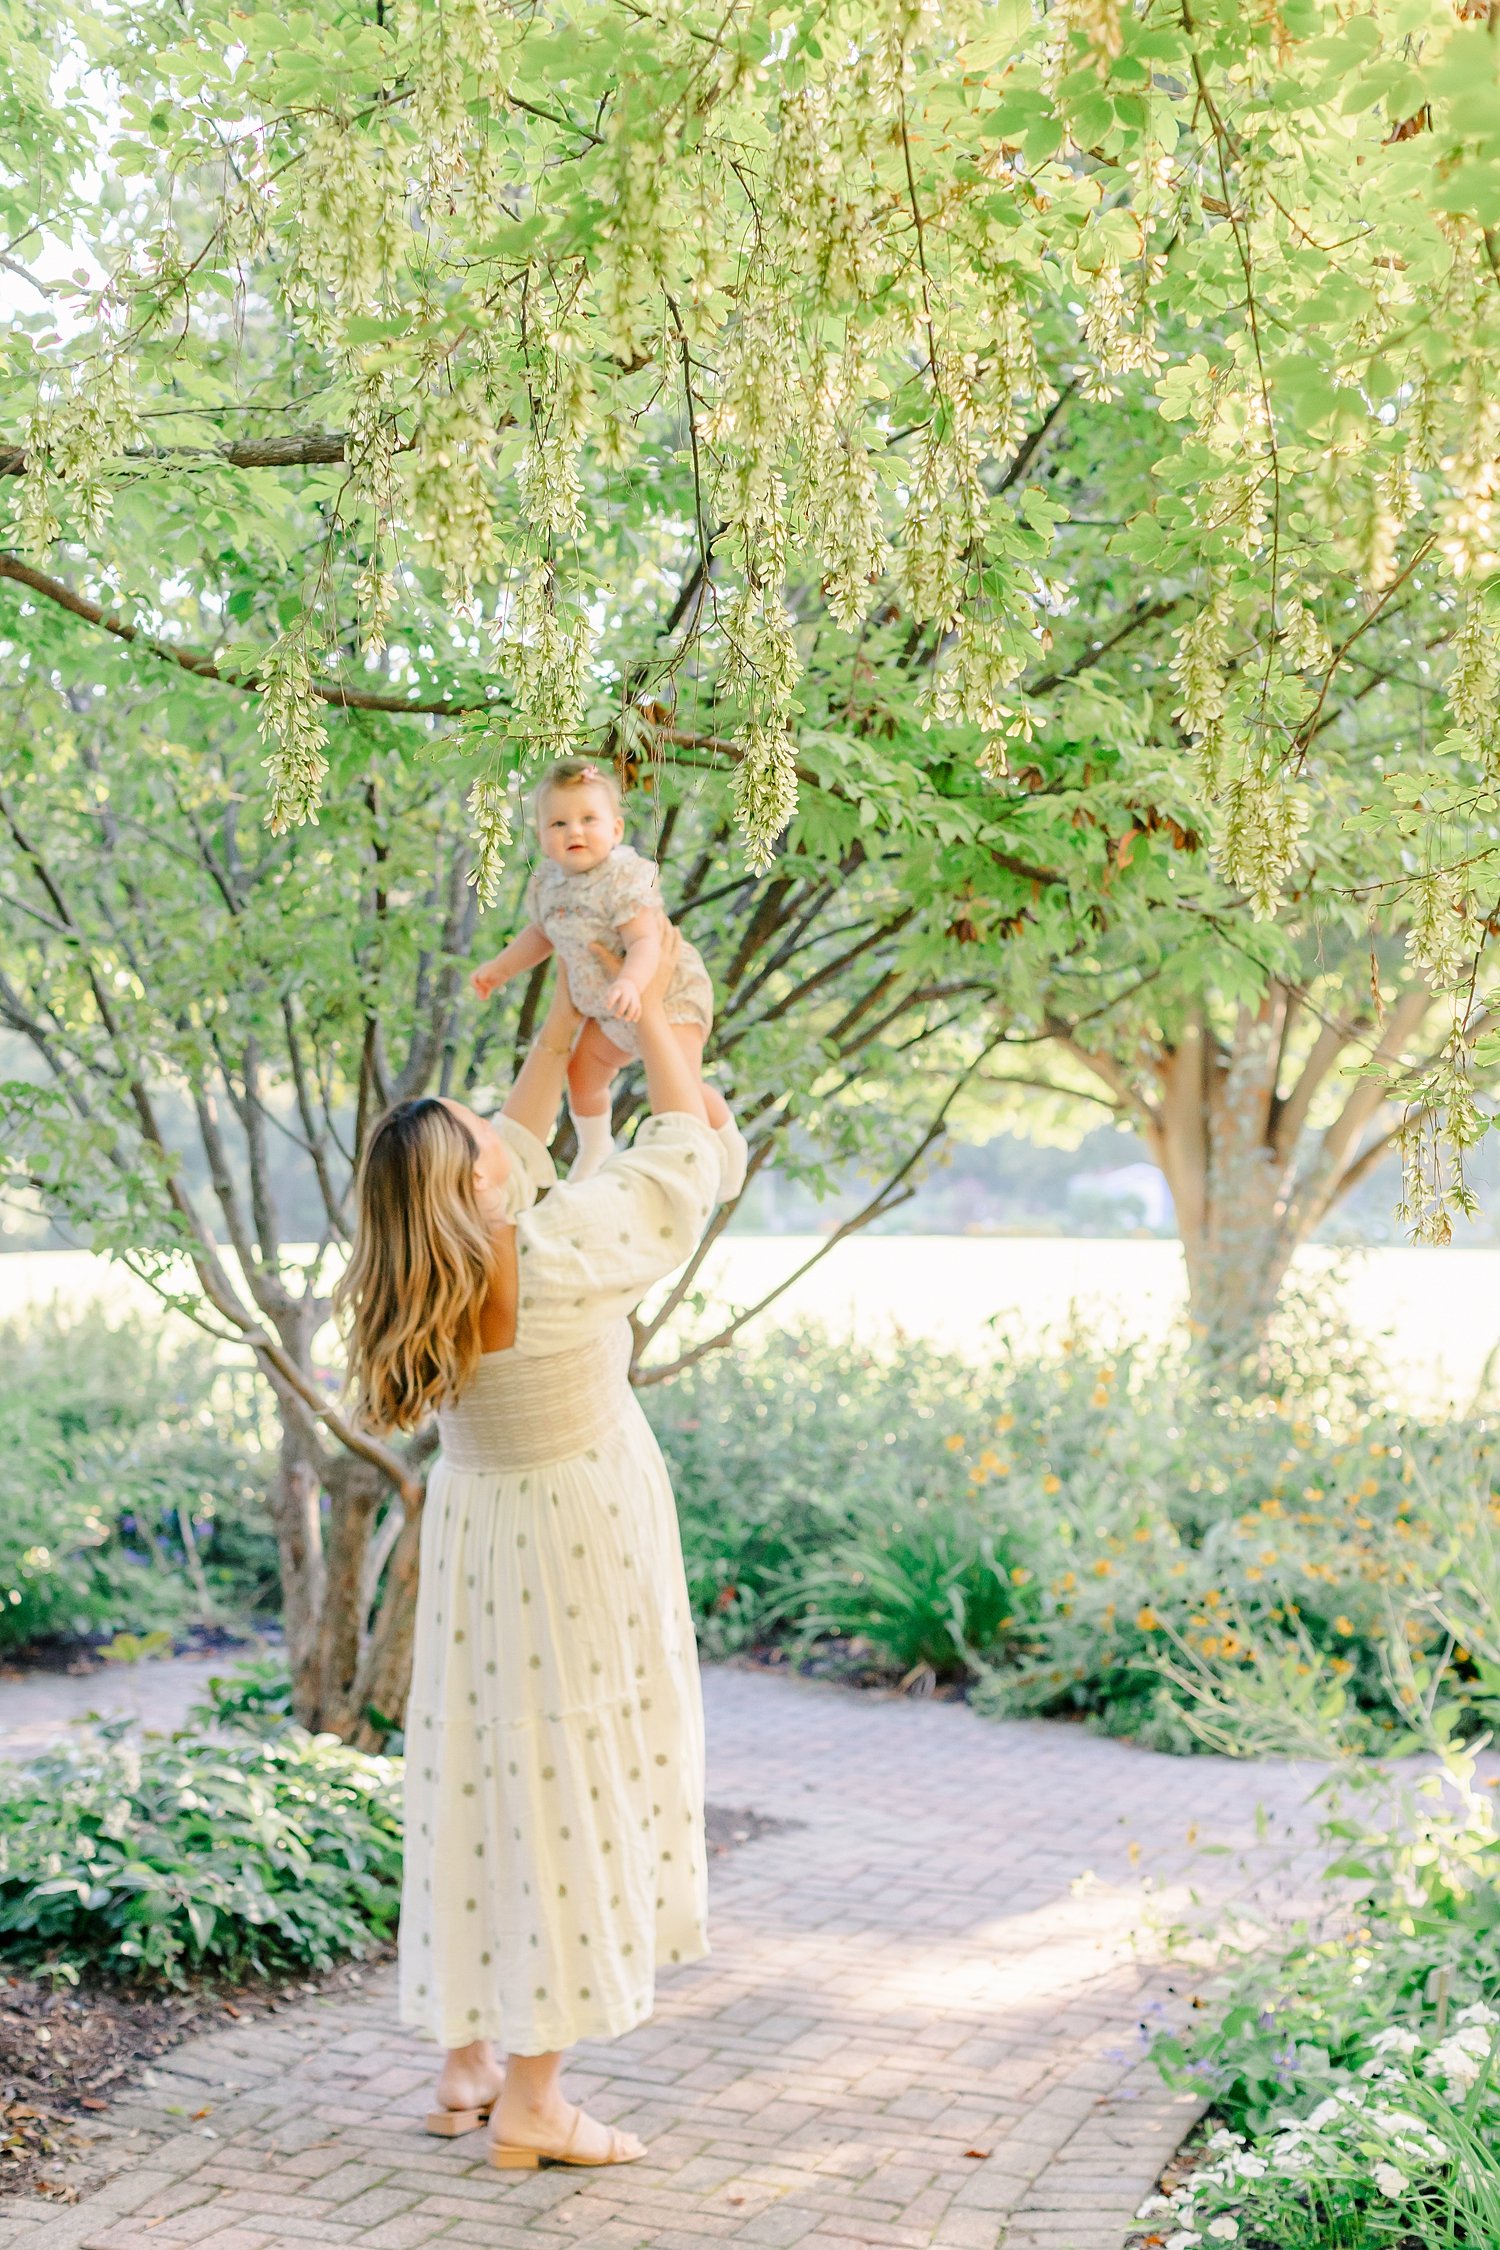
(411, 1295)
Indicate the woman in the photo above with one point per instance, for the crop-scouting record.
(554, 1743)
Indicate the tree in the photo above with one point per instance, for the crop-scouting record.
(998, 463)
(214, 1015)
(1246, 1107)
(569, 321)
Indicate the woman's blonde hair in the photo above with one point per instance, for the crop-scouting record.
(423, 1258)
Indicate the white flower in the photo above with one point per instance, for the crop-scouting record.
(1155, 2206)
(1395, 2039)
(1476, 2012)
(1248, 2167)
(1224, 2230)
(1324, 2114)
(1460, 2058)
(1225, 2139)
(1184, 2239)
(1389, 2181)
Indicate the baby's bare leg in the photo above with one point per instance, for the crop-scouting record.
(591, 1071)
(689, 1037)
(592, 1068)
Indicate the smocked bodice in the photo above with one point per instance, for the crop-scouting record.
(521, 1411)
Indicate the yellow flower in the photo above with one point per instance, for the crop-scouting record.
(1066, 1583)
(1368, 1489)
(1343, 1625)
(1006, 1422)
(1209, 1645)
(1051, 1483)
(1212, 1598)
(1103, 1568)
(1020, 1577)
(1101, 1395)
(955, 1444)
(1147, 1620)
(1254, 1573)
(990, 1462)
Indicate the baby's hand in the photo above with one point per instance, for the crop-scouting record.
(623, 1000)
(487, 978)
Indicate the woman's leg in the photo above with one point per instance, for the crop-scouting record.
(591, 1071)
(689, 1037)
(534, 2112)
(471, 2077)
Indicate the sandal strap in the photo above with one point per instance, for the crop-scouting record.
(616, 2137)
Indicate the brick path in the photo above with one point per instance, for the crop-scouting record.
(921, 2025)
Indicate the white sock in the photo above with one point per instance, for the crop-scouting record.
(595, 1142)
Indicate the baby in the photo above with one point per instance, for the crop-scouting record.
(593, 889)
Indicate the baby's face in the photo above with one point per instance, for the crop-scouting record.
(580, 827)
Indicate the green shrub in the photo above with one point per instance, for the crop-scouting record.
(250, 1856)
(1070, 1527)
(1357, 2075)
(820, 1494)
(129, 1462)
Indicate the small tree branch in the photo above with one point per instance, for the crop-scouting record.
(204, 667)
(893, 1192)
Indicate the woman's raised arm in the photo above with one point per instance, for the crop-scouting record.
(533, 1099)
(672, 1084)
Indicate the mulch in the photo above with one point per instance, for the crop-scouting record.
(67, 2052)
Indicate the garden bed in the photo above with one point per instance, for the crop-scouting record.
(67, 2053)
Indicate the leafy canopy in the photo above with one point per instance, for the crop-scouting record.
(703, 379)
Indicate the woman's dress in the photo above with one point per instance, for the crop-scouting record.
(554, 1739)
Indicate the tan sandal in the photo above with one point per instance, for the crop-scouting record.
(448, 2124)
(508, 2159)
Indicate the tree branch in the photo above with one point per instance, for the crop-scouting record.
(202, 666)
(893, 1192)
(309, 449)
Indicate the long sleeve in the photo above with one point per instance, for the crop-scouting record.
(531, 1168)
(589, 1253)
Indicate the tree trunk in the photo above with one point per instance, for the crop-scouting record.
(297, 1509)
(348, 1640)
(1250, 1182)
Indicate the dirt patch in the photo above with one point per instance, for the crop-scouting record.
(66, 2053)
(727, 1827)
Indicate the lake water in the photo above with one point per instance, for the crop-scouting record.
(1433, 1315)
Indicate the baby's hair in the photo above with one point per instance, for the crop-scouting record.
(576, 773)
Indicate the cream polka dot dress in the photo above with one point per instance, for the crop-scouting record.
(554, 1739)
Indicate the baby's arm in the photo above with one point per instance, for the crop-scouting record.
(524, 952)
(642, 935)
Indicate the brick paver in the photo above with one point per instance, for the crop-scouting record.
(923, 2024)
